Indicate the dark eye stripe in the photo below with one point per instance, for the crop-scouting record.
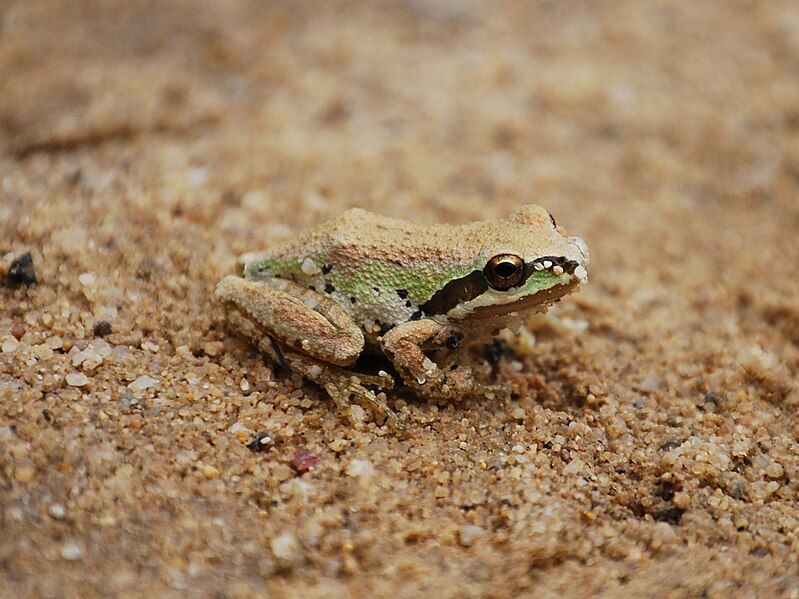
(456, 292)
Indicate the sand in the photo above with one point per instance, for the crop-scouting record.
(649, 447)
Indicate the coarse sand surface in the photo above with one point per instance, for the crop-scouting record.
(649, 447)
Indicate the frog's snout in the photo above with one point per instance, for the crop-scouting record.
(582, 261)
(582, 247)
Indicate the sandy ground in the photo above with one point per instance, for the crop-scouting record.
(650, 446)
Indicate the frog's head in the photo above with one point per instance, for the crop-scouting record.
(522, 263)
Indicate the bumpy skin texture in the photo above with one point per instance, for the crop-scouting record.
(363, 281)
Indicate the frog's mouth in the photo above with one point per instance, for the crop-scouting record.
(528, 302)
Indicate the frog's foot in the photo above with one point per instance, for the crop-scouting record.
(404, 344)
(344, 391)
(344, 386)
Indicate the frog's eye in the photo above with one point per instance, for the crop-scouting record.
(504, 271)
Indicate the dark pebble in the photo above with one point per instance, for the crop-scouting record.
(102, 328)
(260, 442)
(21, 271)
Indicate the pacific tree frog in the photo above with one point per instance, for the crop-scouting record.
(366, 283)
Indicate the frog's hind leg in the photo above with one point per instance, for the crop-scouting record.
(308, 334)
(295, 317)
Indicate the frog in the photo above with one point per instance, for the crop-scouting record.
(365, 284)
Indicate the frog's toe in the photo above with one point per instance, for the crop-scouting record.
(502, 392)
(343, 395)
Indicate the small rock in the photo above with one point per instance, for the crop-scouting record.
(21, 271)
(285, 546)
(651, 383)
(196, 176)
(87, 279)
(71, 551)
(142, 383)
(682, 500)
(18, 331)
(210, 472)
(24, 474)
(303, 461)
(468, 534)
(774, 470)
(238, 429)
(77, 379)
(102, 328)
(57, 511)
(360, 468)
(213, 348)
(357, 413)
(9, 346)
(260, 442)
(338, 445)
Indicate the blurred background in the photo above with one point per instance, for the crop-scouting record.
(145, 145)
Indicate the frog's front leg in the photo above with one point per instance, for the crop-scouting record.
(404, 345)
(305, 331)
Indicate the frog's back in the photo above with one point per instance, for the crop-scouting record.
(379, 269)
(353, 229)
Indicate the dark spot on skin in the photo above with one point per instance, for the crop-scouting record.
(384, 328)
(48, 415)
(377, 290)
(329, 288)
(21, 271)
(326, 269)
(352, 300)
(453, 367)
(416, 315)
(403, 293)
(454, 340)
(311, 287)
(408, 304)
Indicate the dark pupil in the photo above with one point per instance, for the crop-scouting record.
(505, 269)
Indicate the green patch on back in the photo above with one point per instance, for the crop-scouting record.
(420, 281)
(285, 268)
